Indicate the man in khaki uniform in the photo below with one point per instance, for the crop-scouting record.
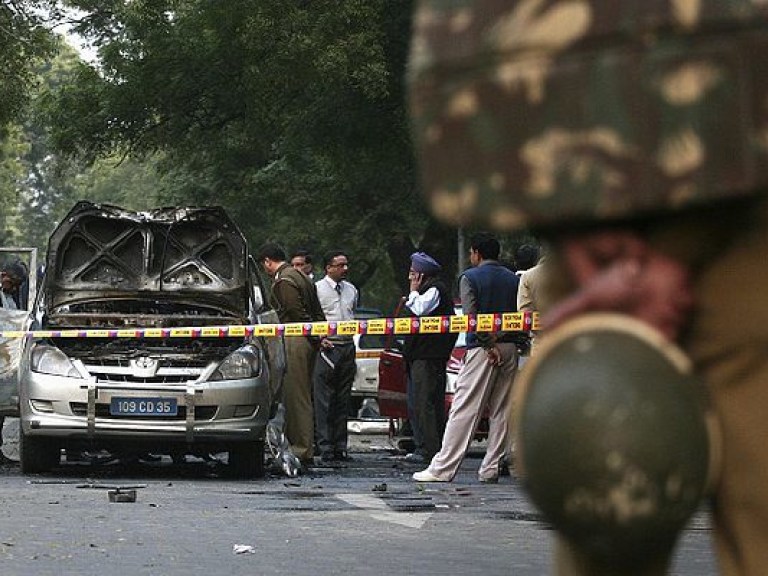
(633, 138)
(295, 299)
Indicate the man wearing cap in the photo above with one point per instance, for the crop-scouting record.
(485, 380)
(426, 356)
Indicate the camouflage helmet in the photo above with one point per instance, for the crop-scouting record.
(529, 113)
(615, 444)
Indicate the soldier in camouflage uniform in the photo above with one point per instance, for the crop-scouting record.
(633, 137)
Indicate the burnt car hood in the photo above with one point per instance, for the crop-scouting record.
(184, 255)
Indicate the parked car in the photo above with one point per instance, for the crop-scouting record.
(393, 378)
(393, 383)
(107, 270)
(368, 348)
(392, 396)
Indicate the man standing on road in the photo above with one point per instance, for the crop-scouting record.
(335, 368)
(485, 379)
(426, 356)
(295, 299)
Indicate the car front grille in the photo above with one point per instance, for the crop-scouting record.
(120, 371)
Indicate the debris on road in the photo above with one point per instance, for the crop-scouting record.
(122, 495)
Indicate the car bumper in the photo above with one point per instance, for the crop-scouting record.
(234, 410)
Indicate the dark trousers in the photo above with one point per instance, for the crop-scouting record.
(427, 382)
(332, 380)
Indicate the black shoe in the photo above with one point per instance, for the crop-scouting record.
(342, 457)
(504, 464)
(489, 480)
(327, 457)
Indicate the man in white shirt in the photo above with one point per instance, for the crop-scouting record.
(335, 368)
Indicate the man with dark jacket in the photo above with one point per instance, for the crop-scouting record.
(485, 380)
(295, 300)
(426, 356)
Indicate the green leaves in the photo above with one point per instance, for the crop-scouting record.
(289, 113)
(24, 41)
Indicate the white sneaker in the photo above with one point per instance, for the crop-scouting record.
(426, 476)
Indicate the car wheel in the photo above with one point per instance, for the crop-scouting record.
(246, 460)
(37, 454)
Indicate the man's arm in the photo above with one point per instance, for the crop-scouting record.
(467, 295)
(423, 304)
(524, 296)
(292, 307)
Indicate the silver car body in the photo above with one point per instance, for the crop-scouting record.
(15, 320)
(167, 390)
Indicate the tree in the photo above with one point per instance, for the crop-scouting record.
(12, 148)
(290, 113)
(47, 184)
(24, 40)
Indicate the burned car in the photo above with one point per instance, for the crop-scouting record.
(146, 346)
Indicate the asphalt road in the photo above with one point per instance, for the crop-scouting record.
(367, 517)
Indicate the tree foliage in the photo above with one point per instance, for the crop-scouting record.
(289, 113)
(43, 184)
(24, 40)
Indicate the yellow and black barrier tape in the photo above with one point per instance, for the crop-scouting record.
(507, 321)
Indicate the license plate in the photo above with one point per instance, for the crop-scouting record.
(143, 407)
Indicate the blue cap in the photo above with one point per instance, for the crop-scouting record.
(423, 263)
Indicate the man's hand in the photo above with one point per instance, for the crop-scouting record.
(414, 280)
(617, 271)
(325, 344)
(494, 356)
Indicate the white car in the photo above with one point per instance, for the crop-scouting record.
(368, 348)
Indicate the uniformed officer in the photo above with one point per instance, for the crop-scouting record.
(633, 138)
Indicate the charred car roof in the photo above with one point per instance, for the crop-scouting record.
(184, 254)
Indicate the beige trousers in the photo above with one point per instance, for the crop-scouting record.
(479, 386)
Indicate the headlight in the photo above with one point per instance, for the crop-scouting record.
(243, 363)
(48, 359)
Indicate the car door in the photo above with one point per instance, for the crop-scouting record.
(263, 313)
(393, 381)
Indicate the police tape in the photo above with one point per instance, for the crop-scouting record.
(508, 321)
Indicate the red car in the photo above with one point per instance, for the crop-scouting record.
(393, 380)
